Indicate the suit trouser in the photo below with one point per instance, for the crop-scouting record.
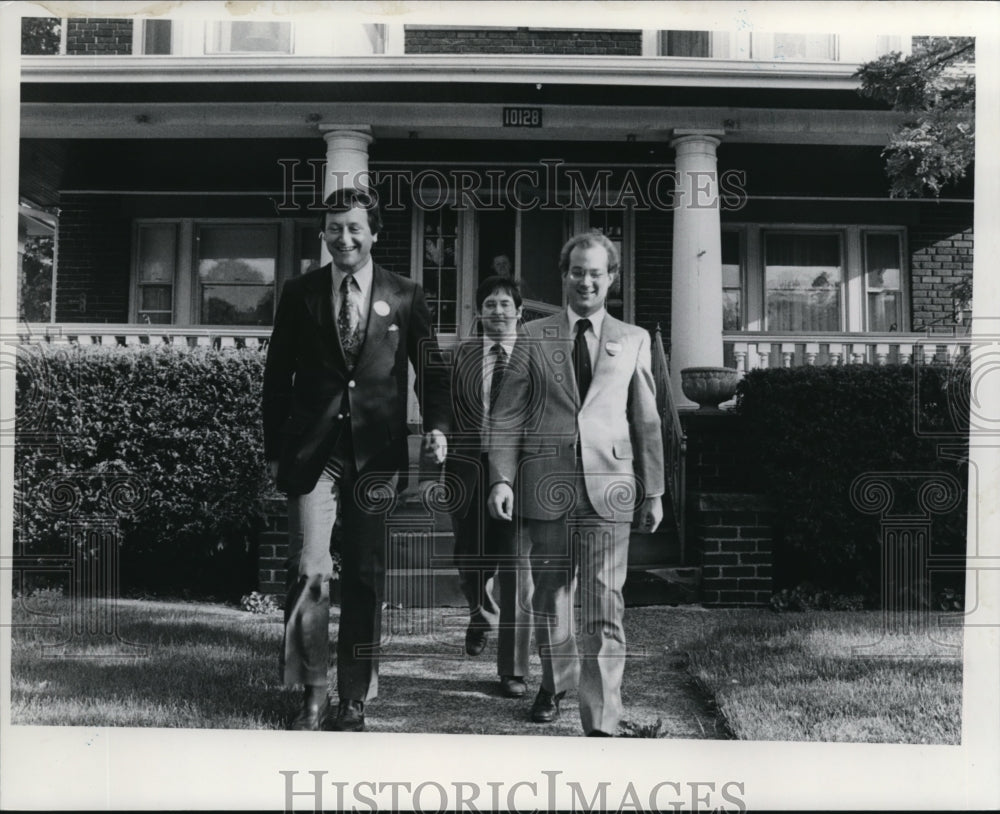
(306, 650)
(486, 549)
(581, 546)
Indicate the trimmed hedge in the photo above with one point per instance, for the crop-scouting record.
(167, 442)
(812, 431)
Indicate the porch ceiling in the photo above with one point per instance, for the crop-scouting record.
(249, 166)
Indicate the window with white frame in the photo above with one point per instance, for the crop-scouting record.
(814, 280)
(210, 272)
(249, 37)
(705, 44)
(794, 47)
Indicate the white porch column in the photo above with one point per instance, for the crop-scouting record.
(346, 162)
(346, 157)
(696, 284)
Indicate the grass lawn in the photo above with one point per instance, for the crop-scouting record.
(832, 676)
(773, 677)
(214, 666)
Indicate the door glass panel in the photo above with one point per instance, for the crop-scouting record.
(542, 237)
(732, 283)
(440, 270)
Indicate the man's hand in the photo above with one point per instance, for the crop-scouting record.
(501, 502)
(435, 446)
(649, 515)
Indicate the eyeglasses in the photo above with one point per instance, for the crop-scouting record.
(580, 274)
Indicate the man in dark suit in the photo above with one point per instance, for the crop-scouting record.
(335, 435)
(588, 461)
(485, 548)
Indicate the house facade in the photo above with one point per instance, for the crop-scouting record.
(184, 162)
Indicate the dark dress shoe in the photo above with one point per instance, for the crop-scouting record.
(311, 717)
(475, 639)
(546, 706)
(350, 717)
(512, 686)
(598, 733)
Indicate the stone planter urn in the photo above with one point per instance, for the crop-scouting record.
(709, 386)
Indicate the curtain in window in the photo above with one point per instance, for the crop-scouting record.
(803, 280)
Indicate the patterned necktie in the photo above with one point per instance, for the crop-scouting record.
(349, 319)
(581, 359)
(499, 366)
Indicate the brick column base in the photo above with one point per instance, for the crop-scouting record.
(734, 533)
(272, 551)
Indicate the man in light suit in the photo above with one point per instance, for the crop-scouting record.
(334, 409)
(588, 461)
(486, 548)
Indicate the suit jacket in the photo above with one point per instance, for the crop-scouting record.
(617, 426)
(466, 443)
(310, 395)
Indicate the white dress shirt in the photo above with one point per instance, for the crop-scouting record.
(363, 277)
(593, 334)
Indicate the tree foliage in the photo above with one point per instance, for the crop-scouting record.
(936, 88)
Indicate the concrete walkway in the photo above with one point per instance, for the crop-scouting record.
(428, 684)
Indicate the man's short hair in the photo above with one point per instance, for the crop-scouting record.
(587, 239)
(342, 200)
(491, 285)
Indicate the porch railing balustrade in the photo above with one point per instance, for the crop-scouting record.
(750, 350)
(118, 334)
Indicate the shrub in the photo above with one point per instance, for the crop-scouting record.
(165, 443)
(812, 431)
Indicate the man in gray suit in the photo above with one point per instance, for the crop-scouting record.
(587, 462)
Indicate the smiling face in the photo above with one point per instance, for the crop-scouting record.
(499, 315)
(349, 238)
(586, 280)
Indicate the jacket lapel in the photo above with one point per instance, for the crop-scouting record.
(609, 345)
(319, 302)
(557, 349)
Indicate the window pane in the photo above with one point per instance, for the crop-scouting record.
(309, 249)
(803, 276)
(804, 46)
(883, 311)
(155, 298)
(732, 282)
(246, 37)
(156, 39)
(237, 254)
(237, 305)
(157, 252)
(732, 319)
(883, 279)
(686, 43)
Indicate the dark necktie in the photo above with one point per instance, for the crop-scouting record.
(581, 359)
(499, 366)
(349, 319)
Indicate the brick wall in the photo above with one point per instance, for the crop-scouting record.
(736, 539)
(98, 35)
(940, 257)
(272, 549)
(521, 41)
(95, 238)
